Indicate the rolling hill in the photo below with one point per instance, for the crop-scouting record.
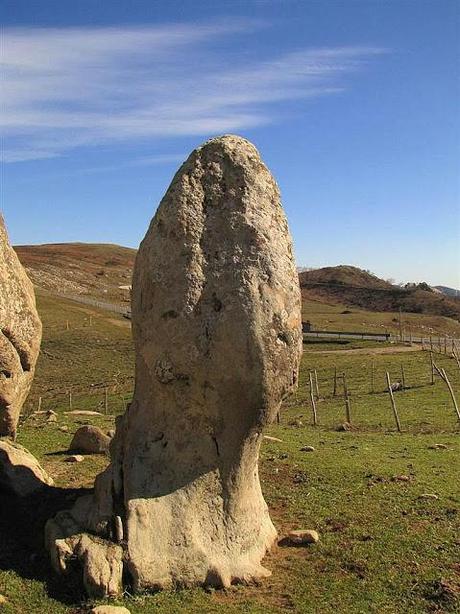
(97, 270)
(104, 271)
(354, 287)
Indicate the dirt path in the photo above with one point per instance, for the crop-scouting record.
(385, 350)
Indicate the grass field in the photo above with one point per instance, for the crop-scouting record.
(383, 547)
(338, 317)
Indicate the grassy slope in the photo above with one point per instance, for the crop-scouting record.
(352, 286)
(382, 548)
(331, 316)
(92, 269)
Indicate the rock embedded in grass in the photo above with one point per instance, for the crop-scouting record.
(90, 440)
(307, 449)
(303, 536)
(75, 458)
(109, 609)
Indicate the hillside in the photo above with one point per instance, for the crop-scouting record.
(104, 271)
(452, 292)
(95, 270)
(354, 287)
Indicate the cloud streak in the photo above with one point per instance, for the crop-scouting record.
(76, 87)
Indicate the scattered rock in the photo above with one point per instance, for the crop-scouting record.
(307, 536)
(110, 609)
(3, 599)
(300, 478)
(20, 472)
(274, 439)
(52, 418)
(20, 335)
(345, 426)
(64, 429)
(90, 440)
(400, 478)
(297, 423)
(438, 446)
(428, 495)
(307, 449)
(75, 458)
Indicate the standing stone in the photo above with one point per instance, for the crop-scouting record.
(20, 335)
(217, 330)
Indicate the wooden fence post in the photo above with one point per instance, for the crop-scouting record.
(316, 385)
(312, 399)
(39, 404)
(347, 399)
(432, 367)
(445, 379)
(393, 404)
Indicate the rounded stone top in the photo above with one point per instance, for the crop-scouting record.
(229, 143)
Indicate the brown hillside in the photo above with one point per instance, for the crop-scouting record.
(91, 269)
(351, 286)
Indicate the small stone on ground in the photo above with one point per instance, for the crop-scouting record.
(110, 609)
(75, 458)
(306, 536)
(307, 449)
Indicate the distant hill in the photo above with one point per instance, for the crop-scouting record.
(352, 286)
(96, 270)
(104, 272)
(453, 292)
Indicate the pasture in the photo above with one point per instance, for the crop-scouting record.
(385, 547)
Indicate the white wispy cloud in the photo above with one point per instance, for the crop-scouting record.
(73, 87)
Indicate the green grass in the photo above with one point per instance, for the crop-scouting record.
(383, 549)
(325, 316)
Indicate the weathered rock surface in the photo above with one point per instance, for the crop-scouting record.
(90, 440)
(217, 331)
(20, 471)
(20, 335)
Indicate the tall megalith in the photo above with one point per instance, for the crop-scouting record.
(217, 333)
(20, 335)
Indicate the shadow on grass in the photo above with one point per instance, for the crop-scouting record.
(22, 523)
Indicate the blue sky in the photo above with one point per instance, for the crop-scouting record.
(353, 106)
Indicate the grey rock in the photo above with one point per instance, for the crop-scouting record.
(217, 332)
(20, 336)
(20, 472)
(90, 440)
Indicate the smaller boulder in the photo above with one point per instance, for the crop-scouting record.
(306, 536)
(90, 440)
(307, 449)
(20, 472)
